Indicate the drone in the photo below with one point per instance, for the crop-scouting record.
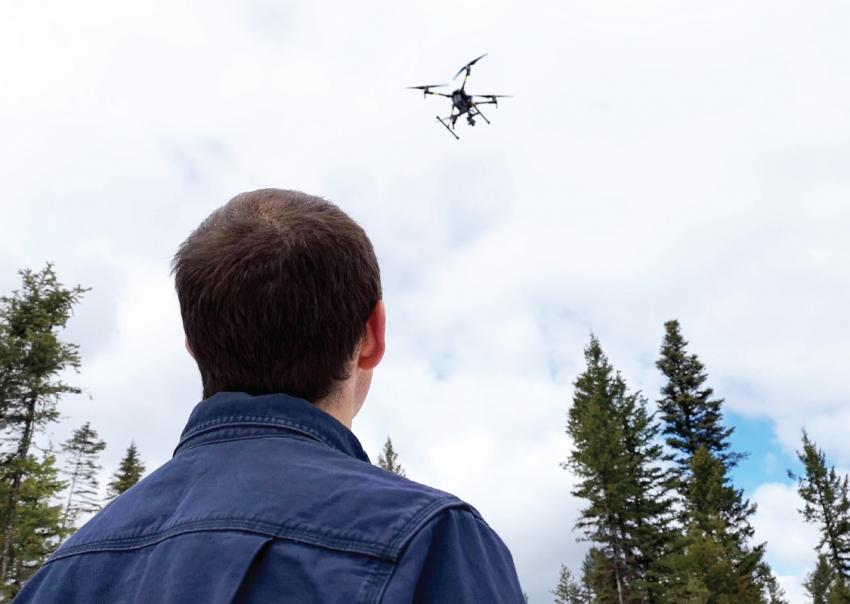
(463, 103)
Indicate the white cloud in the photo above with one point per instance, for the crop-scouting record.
(790, 542)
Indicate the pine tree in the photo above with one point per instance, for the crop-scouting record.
(826, 504)
(715, 553)
(597, 579)
(819, 583)
(129, 473)
(38, 529)
(388, 459)
(82, 470)
(692, 418)
(772, 592)
(839, 593)
(32, 357)
(617, 463)
(713, 565)
(568, 590)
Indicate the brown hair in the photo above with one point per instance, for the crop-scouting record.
(275, 289)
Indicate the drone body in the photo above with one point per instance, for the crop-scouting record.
(463, 103)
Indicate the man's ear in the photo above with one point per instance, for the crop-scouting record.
(188, 347)
(373, 345)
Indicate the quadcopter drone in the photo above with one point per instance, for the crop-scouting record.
(462, 102)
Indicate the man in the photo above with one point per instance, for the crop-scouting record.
(269, 496)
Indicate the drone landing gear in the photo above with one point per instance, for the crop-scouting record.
(478, 113)
(449, 128)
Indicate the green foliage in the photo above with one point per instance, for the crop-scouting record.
(772, 592)
(617, 462)
(388, 459)
(31, 354)
(714, 561)
(82, 470)
(32, 357)
(692, 417)
(819, 583)
(568, 590)
(712, 564)
(826, 504)
(38, 529)
(129, 473)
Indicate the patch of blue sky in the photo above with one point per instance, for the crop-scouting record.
(768, 460)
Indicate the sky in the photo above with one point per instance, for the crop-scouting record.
(658, 160)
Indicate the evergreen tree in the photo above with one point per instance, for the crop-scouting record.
(32, 357)
(692, 417)
(819, 583)
(712, 564)
(826, 504)
(388, 459)
(568, 590)
(82, 470)
(617, 463)
(839, 593)
(38, 528)
(715, 556)
(598, 580)
(772, 592)
(129, 473)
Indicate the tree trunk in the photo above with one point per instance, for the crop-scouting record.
(71, 492)
(829, 525)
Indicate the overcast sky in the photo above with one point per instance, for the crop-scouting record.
(660, 159)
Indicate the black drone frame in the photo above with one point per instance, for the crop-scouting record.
(462, 102)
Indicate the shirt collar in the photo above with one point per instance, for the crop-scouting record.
(238, 409)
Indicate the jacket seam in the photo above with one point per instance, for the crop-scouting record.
(421, 517)
(428, 514)
(254, 421)
(260, 527)
(216, 441)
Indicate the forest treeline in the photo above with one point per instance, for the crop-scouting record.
(663, 518)
(665, 521)
(45, 491)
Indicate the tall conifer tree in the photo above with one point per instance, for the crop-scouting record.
(82, 470)
(388, 459)
(617, 463)
(32, 357)
(826, 504)
(129, 473)
(38, 528)
(715, 557)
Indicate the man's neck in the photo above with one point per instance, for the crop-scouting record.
(339, 404)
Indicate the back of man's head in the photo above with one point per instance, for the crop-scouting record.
(275, 289)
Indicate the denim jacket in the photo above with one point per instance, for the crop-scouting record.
(270, 499)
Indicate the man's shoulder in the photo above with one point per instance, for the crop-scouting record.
(285, 487)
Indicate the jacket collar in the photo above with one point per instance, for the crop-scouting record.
(238, 409)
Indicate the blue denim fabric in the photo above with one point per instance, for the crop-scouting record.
(269, 499)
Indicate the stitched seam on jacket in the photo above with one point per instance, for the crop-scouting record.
(404, 537)
(252, 420)
(372, 587)
(416, 521)
(216, 441)
(222, 524)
